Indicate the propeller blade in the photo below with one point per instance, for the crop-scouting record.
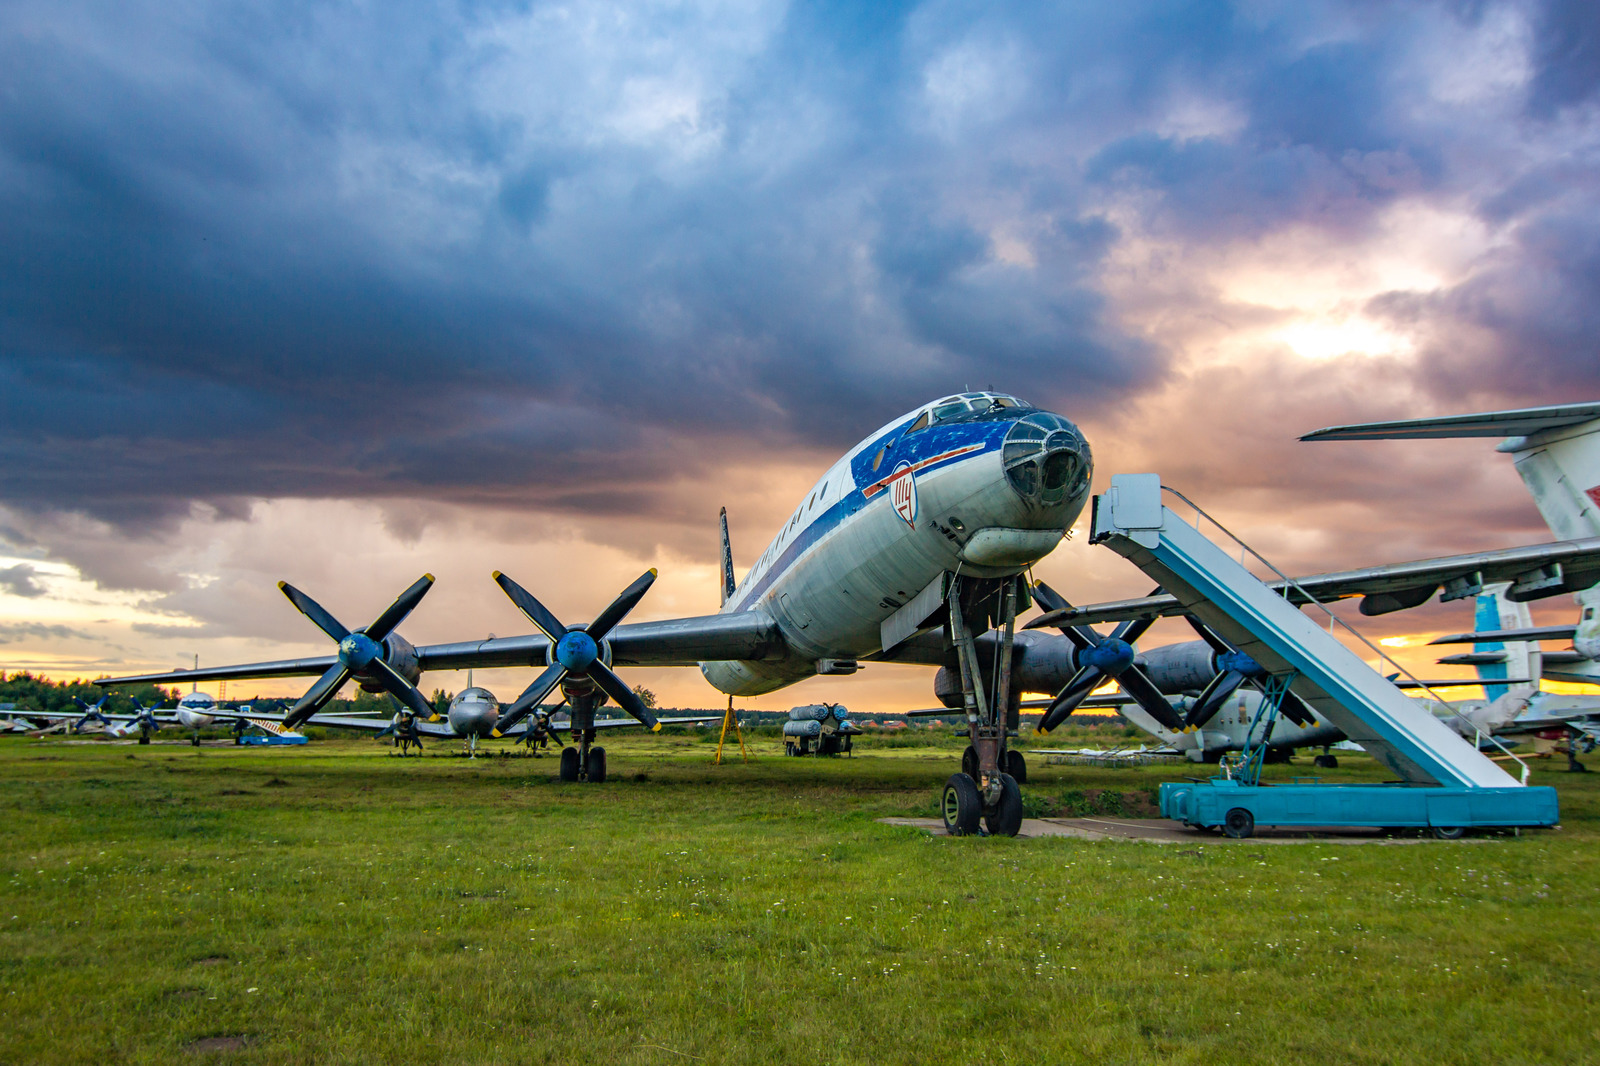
(1082, 637)
(318, 695)
(620, 606)
(397, 611)
(313, 610)
(1297, 710)
(1209, 635)
(401, 689)
(537, 613)
(622, 695)
(1085, 681)
(1213, 696)
(1137, 684)
(1130, 631)
(531, 697)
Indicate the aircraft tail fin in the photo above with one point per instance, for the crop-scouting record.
(728, 584)
(1520, 658)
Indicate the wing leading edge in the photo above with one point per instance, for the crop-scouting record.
(1539, 569)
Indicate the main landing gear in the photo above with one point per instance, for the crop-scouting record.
(984, 796)
(582, 761)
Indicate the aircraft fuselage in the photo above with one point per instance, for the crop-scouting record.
(977, 484)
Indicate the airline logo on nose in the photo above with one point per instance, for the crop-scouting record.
(903, 493)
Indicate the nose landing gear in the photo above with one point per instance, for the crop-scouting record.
(986, 790)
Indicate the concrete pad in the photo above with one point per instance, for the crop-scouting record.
(1166, 831)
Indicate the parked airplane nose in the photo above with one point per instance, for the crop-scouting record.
(1047, 460)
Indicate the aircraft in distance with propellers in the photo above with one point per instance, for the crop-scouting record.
(909, 549)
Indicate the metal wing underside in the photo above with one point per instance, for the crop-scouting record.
(1412, 583)
(676, 642)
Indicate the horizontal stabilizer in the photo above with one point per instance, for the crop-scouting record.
(1520, 422)
(1493, 636)
(1474, 658)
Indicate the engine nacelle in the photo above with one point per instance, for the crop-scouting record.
(399, 653)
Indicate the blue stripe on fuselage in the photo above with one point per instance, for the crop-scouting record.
(988, 434)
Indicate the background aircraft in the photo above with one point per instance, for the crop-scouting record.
(1556, 450)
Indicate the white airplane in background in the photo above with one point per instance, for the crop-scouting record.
(1556, 450)
(909, 549)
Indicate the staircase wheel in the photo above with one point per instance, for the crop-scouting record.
(1239, 823)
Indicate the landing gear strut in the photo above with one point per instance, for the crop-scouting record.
(582, 762)
(986, 788)
(1573, 765)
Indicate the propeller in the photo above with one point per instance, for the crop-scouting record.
(541, 728)
(361, 652)
(576, 651)
(1099, 658)
(91, 713)
(1234, 668)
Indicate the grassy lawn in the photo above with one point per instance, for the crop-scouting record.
(334, 903)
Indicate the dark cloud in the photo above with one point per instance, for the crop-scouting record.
(14, 632)
(571, 258)
(1566, 54)
(19, 581)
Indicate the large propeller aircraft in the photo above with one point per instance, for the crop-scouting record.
(910, 549)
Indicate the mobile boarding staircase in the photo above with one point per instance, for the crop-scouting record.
(1446, 783)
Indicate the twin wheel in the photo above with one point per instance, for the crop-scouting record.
(594, 767)
(962, 803)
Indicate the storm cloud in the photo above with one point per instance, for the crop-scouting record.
(595, 267)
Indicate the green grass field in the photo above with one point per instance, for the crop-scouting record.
(335, 903)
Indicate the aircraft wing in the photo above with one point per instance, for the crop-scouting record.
(1536, 570)
(1500, 636)
(675, 642)
(1522, 422)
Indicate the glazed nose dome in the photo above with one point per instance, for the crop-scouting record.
(1047, 459)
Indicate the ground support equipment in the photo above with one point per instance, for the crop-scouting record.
(1446, 783)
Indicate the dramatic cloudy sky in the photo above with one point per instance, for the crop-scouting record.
(340, 293)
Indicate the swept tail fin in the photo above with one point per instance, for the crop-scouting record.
(728, 584)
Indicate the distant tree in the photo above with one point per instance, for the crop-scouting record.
(440, 700)
(646, 697)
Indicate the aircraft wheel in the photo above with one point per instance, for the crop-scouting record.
(1017, 766)
(962, 806)
(144, 740)
(569, 764)
(1327, 762)
(969, 762)
(195, 740)
(1449, 832)
(1239, 824)
(1005, 820)
(597, 765)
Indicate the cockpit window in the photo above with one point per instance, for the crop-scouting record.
(949, 410)
(920, 424)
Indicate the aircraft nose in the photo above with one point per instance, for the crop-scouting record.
(1047, 459)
